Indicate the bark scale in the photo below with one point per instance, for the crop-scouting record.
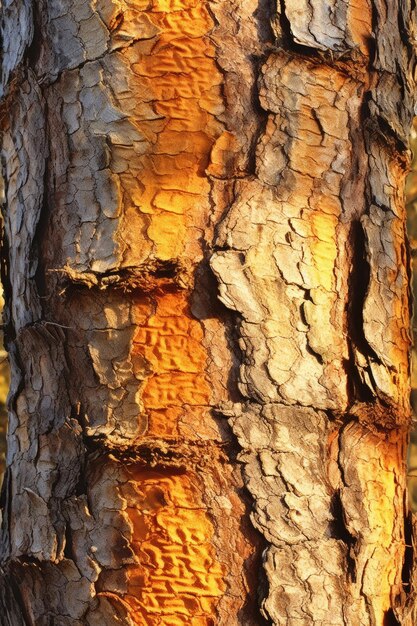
(148, 147)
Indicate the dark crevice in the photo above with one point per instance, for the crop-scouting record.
(376, 127)
(68, 548)
(390, 619)
(358, 285)
(287, 39)
(35, 255)
(407, 571)
(33, 51)
(117, 22)
(205, 304)
(264, 15)
(82, 485)
(309, 350)
(254, 572)
(373, 50)
(338, 530)
(389, 136)
(262, 115)
(364, 112)
(7, 327)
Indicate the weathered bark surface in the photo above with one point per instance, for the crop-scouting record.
(147, 146)
(411, 205)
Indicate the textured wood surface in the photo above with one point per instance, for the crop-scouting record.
(207, 286)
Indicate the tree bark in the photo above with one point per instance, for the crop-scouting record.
(207, 312)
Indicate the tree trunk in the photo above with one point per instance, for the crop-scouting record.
(207, 286)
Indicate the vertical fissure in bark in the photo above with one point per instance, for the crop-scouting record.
(390, 619)
(339, 530)
(358, 287)
(407, 571)
(34, 47)
(12, 607)
(261, 114)
(264, 15)
(286, 36)
(8, 329)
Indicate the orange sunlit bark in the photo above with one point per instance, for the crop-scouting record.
(380, 468)
(176, 75)
(177, 90)
(178, 579)
(176, 389)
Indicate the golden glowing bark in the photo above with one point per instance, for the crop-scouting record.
(207, 312)
(171, 345)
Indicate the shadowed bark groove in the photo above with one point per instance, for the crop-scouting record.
(144, 143)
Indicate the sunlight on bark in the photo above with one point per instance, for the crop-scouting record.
(411, 201)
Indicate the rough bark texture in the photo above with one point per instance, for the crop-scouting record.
(175, 457)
